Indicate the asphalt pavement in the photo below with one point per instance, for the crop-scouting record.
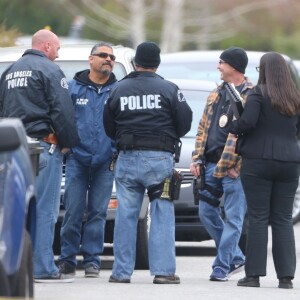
(194, 271)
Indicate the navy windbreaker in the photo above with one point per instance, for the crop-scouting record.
(95, 146)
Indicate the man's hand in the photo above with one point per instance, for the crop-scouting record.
(232, 173)
(195, 169)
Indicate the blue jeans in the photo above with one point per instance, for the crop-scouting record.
(136, 171)
(48, 185)
(226, 233)
(98, 182)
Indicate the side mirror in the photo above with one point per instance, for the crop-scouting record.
(9, 138)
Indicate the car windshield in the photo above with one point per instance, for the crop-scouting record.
(199, 70)
(196, 100)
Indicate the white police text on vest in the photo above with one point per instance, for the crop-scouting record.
(140, 102)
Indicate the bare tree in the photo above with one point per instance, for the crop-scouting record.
(198, 22)
(172, 30)
(207, 25)
(138, 19)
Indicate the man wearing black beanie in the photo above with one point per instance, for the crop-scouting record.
(215, 156)
(146, 115)
(235, 57)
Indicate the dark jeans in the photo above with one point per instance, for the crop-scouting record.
(270, 188)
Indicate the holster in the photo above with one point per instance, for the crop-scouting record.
(168, 189)
(200, 185)
(176, 180)
(51, 139)
(196, 188)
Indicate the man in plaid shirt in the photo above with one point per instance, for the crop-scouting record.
(215, 148)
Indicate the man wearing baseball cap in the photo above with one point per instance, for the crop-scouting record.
(214, 158)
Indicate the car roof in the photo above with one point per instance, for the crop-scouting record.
(25, 40)
(203, 64)
(297, 64)
(207, 55)
(66, 52)
(194, 84)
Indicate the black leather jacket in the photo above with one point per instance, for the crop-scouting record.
(35, 90)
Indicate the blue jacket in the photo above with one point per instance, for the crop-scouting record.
(95, 146)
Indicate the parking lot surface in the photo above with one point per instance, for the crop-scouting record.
(194, 272)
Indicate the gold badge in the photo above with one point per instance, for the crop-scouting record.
(166, 190)
(223, 121)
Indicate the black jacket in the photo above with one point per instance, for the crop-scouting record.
(264, 133)
(35, 90)
(144, 104)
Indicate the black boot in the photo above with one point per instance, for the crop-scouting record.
(285, 283)
(251, 281)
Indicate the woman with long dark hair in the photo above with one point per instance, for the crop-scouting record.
(267, 141)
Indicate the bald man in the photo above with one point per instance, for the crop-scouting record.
(35, 90)
(47, 42)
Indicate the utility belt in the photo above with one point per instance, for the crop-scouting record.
(155, 143)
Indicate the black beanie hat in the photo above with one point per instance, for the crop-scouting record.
(236, 57)
(147, 55)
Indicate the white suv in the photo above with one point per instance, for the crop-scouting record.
(74, 58)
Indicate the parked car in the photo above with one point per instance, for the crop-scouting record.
(297, 65)
(187, 222)
(203, 65)
(18, 166)
(73, 58)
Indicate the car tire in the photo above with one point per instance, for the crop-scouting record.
(142, 258)
(23, 279)
(296, 207)
(4, 283)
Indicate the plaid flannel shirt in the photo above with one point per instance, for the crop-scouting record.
(229, 158)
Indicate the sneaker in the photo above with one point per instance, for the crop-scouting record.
(285, 283)
(218, 275)
(236, 268)
(251, 281)
(117, 280)
(160, 279)
(91, 271)
(59, 277)
(66, 268)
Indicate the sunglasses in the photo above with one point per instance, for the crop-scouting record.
(105, 55)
